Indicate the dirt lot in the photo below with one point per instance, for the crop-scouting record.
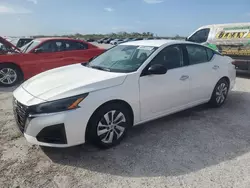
(201, 147)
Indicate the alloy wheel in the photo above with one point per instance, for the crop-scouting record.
(111, 126)
(221, 93)
(8, 76)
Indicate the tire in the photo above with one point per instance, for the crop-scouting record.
(115, 43)
(12, 74)
(220, 93)
(106, 134)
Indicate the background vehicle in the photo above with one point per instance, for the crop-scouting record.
(101, 40)
(6, 47)
(135, 39)
(90, 40)
(20, 42)
(133, 82)
(229, 39)
(127, 39)
(107, 41)
(116, 41)
(40, 55)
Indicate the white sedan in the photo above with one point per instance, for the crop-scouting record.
(116, 41)
(129, 84)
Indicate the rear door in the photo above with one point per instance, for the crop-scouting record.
(203, 71)
(78, 52)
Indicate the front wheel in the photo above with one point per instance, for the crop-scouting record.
(220, 93)
(109, 125)
(10, 75)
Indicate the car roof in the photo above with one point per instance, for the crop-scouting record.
(53, 38)
(227, 25)
(25, 38)
(155, 43)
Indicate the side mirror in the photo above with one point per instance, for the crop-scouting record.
(38, 50)
(186, 39)
(157, 69)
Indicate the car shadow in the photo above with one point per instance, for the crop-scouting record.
(243, 74)
(178, 144)
(7, 89)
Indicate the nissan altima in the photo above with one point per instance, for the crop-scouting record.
(127, 85)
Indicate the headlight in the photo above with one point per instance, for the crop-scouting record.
(58, 105)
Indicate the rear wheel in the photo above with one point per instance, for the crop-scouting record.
(220, 93)
(10, 75)
(109, 125)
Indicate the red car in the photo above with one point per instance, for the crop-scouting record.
(40, 55)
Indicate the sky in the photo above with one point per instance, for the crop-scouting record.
(162, 17)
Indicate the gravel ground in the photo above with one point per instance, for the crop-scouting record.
(201, 147)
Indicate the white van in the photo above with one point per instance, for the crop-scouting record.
(229, 39)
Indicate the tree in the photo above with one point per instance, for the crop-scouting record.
(122, 34)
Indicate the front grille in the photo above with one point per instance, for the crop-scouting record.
(20, 113)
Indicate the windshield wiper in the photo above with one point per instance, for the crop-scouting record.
(99, 68)
(86, 64)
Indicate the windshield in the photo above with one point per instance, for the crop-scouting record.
(29, 46)
(122, 58)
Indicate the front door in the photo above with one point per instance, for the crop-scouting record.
(162, 94)
(76, 52)
(50, 55)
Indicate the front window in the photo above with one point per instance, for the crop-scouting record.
(171, 57)
(28, 47)
(52, 46)
(122, 58)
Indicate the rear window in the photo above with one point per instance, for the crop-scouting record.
(75, 45)
(197, 54)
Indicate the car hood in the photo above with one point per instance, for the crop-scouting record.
(69, 81)
(7, 43)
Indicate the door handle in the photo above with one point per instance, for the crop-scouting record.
(184, 77)
(215, 67)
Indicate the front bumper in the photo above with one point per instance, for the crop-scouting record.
(54, 130)
(54, 134)
(33, 140)
(62, 129)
